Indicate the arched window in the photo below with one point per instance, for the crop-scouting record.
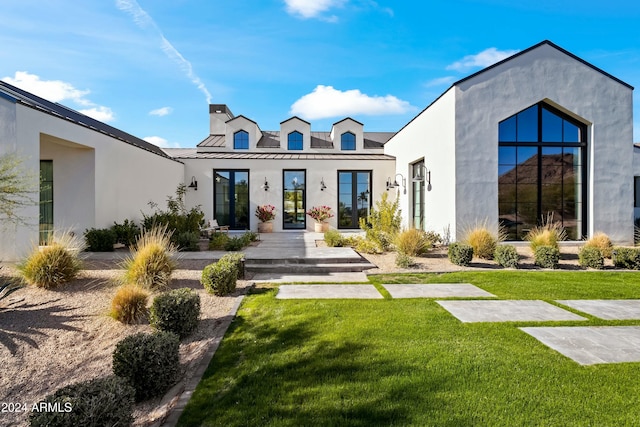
(241, 140)
(294, 141)
(541, 171)
(348, 141)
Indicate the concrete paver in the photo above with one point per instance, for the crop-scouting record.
(507, 311)
(436, 290)
(589, 345)
(607, 309)
(349, 277)
(328, 292)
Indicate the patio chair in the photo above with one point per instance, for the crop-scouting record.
(212, 227)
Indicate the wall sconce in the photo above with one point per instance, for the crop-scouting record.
(194, 183)
(419, 177)
(266, 184)
(395, 184)
(322, 186)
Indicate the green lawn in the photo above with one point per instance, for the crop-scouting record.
(409, 362)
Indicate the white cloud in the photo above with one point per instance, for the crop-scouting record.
(483, 59)
(325, 101)
(161, 142)
(59, 91)
(103, 114)
(160, 112)
(441, 81)
(144, 21)
(312, 8)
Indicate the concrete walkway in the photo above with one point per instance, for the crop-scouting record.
(507, 311)
(328, 292)
(435, 290)
(607, 309)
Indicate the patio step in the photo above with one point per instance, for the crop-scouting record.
(307, 268)
(301, 260)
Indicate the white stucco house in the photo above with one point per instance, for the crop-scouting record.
(540, 133)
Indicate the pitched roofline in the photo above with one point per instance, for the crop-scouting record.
(57, 110)
(547, 42)
(244, 117)
(295, 117)
(347, 118)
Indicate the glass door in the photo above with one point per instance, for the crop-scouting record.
(231, 198)
(46, 200)
(418, 196)
(294, 204)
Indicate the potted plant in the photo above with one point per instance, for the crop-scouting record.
(265, 214)
(320, 214)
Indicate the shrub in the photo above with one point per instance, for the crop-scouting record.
(237, 260)
(460, 253)
(403, 260)
(176, 311)
(333, 238)
(547, 256)
(235, 244)
(129, 304)
(413, 242)
(150, 264)
(55, 264)
(367, 246)
(188, 241)
(601, 241)
(506, 256)
(218, 241)
(149, 362)
(126, 233)
(383, 222)
(176, 219)
(100, 239)
(220, 278)
(547, 234)
(98, 402)
(591, 257)
(250, 236)
(482, 240)
(351, 241)
(626, 258)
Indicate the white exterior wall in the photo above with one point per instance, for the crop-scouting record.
(347, 125)
(97, 179)
(431, 135)
(546, 74)
(295, 124)
(272, 170)
(242, 123)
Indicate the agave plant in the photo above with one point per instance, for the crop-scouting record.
(8, 288)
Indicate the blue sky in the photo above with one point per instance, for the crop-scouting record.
(151, 67)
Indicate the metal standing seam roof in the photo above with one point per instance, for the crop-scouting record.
(65, 113)
(192, 153)
(271, 139)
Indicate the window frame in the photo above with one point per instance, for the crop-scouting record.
(290, 142)
(343, 142)
(236, 140)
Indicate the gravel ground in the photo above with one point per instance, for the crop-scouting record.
(49, 339)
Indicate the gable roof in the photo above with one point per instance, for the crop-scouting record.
(65, 113)
(523, 52)
(271, 139)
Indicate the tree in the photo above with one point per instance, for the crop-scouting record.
(16, 188)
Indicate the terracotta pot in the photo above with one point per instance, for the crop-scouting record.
(265, 227)
(321, 227)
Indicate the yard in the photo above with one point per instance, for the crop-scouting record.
(409, 362)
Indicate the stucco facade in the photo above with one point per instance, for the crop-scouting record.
(458, 138)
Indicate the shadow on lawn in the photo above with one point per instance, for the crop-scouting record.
(21, 322)
(268, 375)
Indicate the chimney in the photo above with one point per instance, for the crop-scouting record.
(218, 116)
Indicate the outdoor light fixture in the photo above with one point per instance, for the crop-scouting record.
(395, 184)
(194, 183)
(322, 186)
(422, 178)
(266, 184)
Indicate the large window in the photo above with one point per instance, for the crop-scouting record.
(348, 141)
(354, 197)
(231, 198)
(241, 140)
(294, 207)
(294, 141)
(418, 195)
(46, 200)
(541, 171)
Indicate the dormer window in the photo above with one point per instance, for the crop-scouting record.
(241, 140)
(348, 141)
(294, 141)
